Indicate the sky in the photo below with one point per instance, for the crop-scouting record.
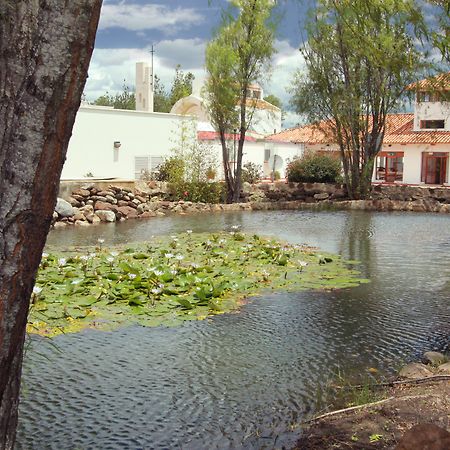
(179, 31)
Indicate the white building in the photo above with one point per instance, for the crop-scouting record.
(415, 148)
(112, 143)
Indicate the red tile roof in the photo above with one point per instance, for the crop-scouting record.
(438, 82)
(399, 130)
(213, 136)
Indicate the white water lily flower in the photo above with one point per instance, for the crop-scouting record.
(100, 240)
(156, 291)
(92, 255)
(114, 254)
(62, 262)
(76, 282)
(235, 227)
(158, 272)
(173, 272)
(179, 257)
(45, 255)
(84, 258)
(37, 290)
(195, 265)
(189, 231)
(169, 255)
(302, 263)
(110, 259)
(131, 276)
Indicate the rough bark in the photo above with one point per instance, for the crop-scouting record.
(45, 49)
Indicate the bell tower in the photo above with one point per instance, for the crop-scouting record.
(144, 87)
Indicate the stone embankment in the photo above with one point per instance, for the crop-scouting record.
(91, 204)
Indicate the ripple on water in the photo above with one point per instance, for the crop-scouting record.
(240, 380)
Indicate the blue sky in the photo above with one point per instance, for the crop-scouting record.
(179, 30)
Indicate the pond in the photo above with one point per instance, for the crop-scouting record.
(242, 380)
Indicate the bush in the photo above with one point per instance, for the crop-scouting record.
(314, 168)
(251, 173)
(171, 170)
(197, 191)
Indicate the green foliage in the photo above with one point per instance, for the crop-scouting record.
(199, 157)
(171, 170)
(181, 85)
(238, 56)
(360, 55)
(440, 37)
(161, 99)
(197, 191)
(170, 280)
(251, 173)
(314, 168)
(273, 100)
(122, 100)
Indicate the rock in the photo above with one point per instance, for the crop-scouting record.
(122, 203)
(111, 199)
(82, 192)
(63, 208)
(147, 215)
(425, 436)
(136, 202)
(415, 370)
(75, 202)
(160, 213)
(106, 216)
(444, 369)
(94, 219)
(87, 209)
(321, 196)
(104, 206)
(434, 358)
(140, 209)
(79, 216)
(98, 198)
(55, 215)
(127, 211)
(82, 223)
(60, 225)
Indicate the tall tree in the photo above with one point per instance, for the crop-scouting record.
(181, 85)
(161, 99)
(126, 99)
(45, 49)
(440, 35)
(359, 59)
(238, 56)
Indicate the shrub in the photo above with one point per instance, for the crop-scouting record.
(275, 176)
(251, 173)
(314, 168)
(197, 191)
(171, 170)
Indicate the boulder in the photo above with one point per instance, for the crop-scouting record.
(87, 209)
(106, 216)
(104, 206)
(82, 192)
(63, 208)
(75, 202)
(434, 358)
(82, 223)
(111, 199)
(127, 211)
(321, 196)
(147, 214)
(60, 225)
(415, 370)
(444, 369)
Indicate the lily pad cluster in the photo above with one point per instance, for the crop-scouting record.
(173, 279)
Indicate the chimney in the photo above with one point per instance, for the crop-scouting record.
(144, 87)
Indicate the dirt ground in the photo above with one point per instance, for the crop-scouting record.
(382, 425)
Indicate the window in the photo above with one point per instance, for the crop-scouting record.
(389, 167)
(146, 165)
(434, 167)
(432, 124)
(266, 154)
(429, 96)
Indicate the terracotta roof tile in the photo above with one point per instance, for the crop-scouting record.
(399, 130)
(213, 135)
(439, 82)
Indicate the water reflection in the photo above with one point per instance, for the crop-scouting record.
(241, 380)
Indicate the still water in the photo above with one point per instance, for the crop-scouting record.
(242, 380)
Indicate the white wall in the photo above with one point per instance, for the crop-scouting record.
(412, 160)
(432, 111)
(91, 147)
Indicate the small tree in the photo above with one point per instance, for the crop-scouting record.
(181, 85)
(238, 56)
(359, 59)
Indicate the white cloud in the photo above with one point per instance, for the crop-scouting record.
(137, 17)
(110, 67)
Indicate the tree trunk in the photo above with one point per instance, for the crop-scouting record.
(45, 49)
